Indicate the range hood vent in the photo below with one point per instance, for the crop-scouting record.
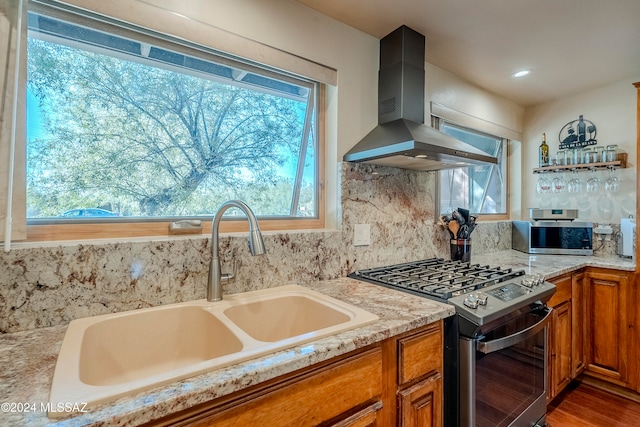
(401, 138)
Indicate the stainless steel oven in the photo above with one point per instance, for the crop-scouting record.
(503, 372)
(494, 347)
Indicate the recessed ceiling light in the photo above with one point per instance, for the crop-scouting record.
(521, 73)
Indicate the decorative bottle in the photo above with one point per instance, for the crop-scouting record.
(543, 152)
(582, 135)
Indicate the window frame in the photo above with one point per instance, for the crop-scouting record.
(437, 121)
(158, 227)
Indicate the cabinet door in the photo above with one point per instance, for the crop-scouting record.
(607, 326)
(421, 404)
(368, 417)
(577, 324)
(560, 349)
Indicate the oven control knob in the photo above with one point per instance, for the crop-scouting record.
(471, 301)
(527, 282)
(482, 298)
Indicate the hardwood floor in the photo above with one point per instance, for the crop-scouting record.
(584, 405)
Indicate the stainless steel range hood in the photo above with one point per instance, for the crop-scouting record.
(401, 138)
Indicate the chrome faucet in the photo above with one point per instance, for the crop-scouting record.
(256, 247)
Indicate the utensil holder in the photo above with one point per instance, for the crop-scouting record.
(461, 250)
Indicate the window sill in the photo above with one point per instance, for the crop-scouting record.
(76, 238)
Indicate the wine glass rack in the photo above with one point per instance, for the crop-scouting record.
(620, 163)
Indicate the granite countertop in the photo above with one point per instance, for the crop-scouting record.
(28, 358)
(551, 265)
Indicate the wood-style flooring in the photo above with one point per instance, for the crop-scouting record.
(584, 405)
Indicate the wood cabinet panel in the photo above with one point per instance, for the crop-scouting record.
(418, 354)
(561, 362)
(360, 389)
(312, 400)
(368, 417)
(577, 324)
(421, 404)
(560, 358)
(563, 290)
(606, 325)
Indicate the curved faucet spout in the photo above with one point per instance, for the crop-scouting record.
(256, 247)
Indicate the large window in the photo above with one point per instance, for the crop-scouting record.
(480, 189)
(132, 126)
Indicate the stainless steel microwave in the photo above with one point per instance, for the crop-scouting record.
(553, 237)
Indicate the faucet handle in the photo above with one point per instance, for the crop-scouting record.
(227, 277)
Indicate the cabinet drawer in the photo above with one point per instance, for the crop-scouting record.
(420, 354)
(309, 401)
(367, 417)
(563, 291)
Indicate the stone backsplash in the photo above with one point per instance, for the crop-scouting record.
(51, 284)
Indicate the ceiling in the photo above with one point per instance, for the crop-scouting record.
(570, 45)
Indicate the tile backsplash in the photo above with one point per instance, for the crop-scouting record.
(49, 284)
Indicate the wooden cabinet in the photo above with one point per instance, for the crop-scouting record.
(420, 405)
(592, 329)
(577, 324)
(566, 332)
(563, 348)
(560, 349)
(395, 382)
(607, 325)
(368, 417)
(420, 384)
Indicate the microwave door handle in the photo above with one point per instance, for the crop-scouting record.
(502, 343)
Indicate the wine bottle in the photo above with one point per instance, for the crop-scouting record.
(543, 152)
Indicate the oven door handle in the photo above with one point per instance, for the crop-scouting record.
(502, 343)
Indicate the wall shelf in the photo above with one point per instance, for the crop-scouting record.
(621, 163)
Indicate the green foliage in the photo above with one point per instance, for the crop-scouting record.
(147, 141)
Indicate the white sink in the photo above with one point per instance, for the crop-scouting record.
(108, 356)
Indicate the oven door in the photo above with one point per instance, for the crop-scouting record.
(503, 373)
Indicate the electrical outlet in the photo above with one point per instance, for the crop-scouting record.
(603, 229)
(362, 235)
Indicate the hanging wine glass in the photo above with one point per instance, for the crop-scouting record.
(612, 184)
(575, 183)
(558, 184)
(543, 185)
(593, 183)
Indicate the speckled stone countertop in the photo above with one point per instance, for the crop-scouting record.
(551, 265)
(28, 358)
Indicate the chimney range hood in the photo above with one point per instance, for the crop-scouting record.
(401, 138)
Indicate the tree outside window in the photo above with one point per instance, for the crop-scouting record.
(140, 130)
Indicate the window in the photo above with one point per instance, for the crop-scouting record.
(481, 189)
(126, 126)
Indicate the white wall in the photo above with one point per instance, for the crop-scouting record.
(450, 90)
(612, 109)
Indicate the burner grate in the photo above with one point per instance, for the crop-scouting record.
(437, 277)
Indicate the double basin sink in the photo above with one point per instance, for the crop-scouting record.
(108, 356)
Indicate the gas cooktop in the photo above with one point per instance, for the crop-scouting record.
(480, 294)
(436, 277)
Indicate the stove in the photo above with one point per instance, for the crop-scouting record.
(500, 325)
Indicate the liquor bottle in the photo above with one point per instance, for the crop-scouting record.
(582, 137)
(543, 152)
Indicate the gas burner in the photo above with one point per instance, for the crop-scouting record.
(436, 277)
